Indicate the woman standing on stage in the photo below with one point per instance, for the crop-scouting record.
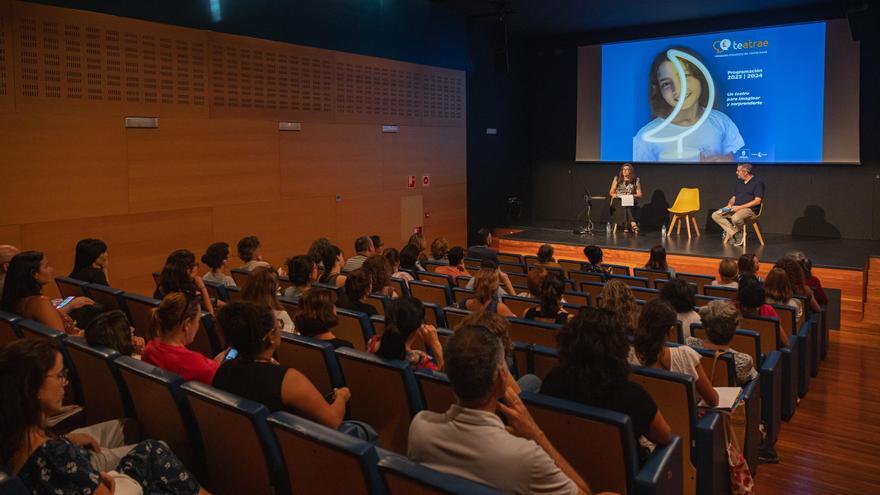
(625, 183)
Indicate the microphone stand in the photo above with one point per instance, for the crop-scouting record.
(583, 224)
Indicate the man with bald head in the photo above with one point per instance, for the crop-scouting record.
(6, 253)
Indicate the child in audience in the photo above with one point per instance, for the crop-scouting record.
(175, 323)
(681, 295)
(550, 310)
(777, 289)
(728, 272)
(404, 323)
(33, 380)
(657, 260)
(649, 349)
(111, 329)
(720, 319)
(618, 298)
(216, 257)
(751, 301)
(594, 255)
(90, 263)
(251, 252)
(262, 288)
(254, 374)
(317, 317)
(302, 271)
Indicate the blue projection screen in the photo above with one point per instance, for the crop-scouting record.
(785, 94)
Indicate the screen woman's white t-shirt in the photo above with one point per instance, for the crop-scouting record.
(718, 135)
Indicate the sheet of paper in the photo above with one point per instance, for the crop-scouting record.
(726, 397)
(627, 200)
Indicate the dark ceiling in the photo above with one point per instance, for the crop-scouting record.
(566, 17)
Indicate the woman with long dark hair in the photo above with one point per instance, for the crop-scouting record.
(657, 260)
(593, 370)
(26, 276)
(550, 310)
(625, 183)
(90, 263)
(181, 274)
(331, 258)
(404, 323)
(261, 287)
(32, 381)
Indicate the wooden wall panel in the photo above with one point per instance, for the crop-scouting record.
(74, 61)
(368, 214)
(7, 55)
(10, 234)
(376, 90)
(201, 162)
(285, 228)
(325, 159)
(64, 167)
(446, 207)
(138, 243)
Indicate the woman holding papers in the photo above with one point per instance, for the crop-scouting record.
(625, 191)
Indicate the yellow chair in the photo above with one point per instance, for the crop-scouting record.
(686, 204)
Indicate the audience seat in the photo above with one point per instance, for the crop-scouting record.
(640, 282)
(241, 455)
(434, 314)
(718, 291)
(594, 289)
(652, 275)
(101, 388)
(217, 291)
(207, 341)
(519, 305)
(378, 301)
(703, 300)
(431, 292)
(570, 266)
(618, 269)
(533, 332)
(804, 333)
(108, 297)
(472, 264)
(599, 444)
(769, 331)
(705, 463)
(233, 294)
(436, 278)
(511, 258)
(161, 409)
(354, 327)
(322, 460)
(313, 358)
(401, 286)
(462, 281)
(644, 293)
(578, 298)
(384, 394)
(461, 294)
(697, 279)
(8, 330)
(518, 278)
(239, 276)
(402, 476)
(454, 316)
(435, 390)
(140, 313)
(515, 268)
(71, 287)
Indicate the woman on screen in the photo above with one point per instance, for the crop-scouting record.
(625, 183)
(716, 139)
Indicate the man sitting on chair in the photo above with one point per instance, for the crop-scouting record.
(742, 206)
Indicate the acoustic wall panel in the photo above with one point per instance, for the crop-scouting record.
(74, 61)
(7, 98)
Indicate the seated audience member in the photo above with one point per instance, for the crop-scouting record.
(112, 329)
(90, 262)
(253, 331)
(333, 263)
(594, 265)
(748, 264)
(777, 290)
(251, 252)
(302, 271)
(317, 317)
(682, 296)
(378, 246)
(545, 256)
(657, 260)
(455, 267)
(534, 281)
(392, 258)
(418, 240)
(470, 440)
(380, 270)
(409, 259)
(811, 279)
(363, 247)
(798, 281)
(317, 249)
(593, 370)
(357, 288)
(181, 274)
(28, 273)
(261, 288)
(617, 298)
(216, 257)
(721, 318)
(727, 274)
(486, 298)
(649, 349)
(32, 378)
(175, 323)
(481, 250)
(404, 323)
(505, 287)
(751, 301)
(550, 310)
(439, 251)
(7, 251)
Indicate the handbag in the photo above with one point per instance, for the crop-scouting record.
(741, 481)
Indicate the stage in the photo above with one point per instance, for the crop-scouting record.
(845, 264)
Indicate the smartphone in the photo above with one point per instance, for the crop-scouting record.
(232, 354)
(65, 302)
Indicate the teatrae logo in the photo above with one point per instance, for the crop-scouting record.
(725, 44)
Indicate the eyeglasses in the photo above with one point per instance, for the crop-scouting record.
(63, 375)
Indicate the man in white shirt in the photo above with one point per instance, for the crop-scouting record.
(470, 440)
